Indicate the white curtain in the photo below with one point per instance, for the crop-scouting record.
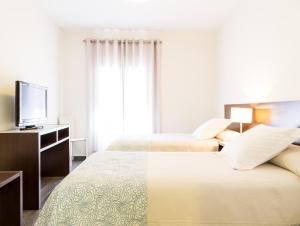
(123, 89)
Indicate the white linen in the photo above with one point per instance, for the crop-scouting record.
(163, 142)
(201, 189)
(211, 128)
(289, 159)
(228, 135)
(258, 145)
(181, 189)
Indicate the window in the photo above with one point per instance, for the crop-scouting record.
(123, 89)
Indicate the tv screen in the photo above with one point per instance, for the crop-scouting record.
(31, 104)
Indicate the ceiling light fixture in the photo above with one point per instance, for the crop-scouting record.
(138, 1)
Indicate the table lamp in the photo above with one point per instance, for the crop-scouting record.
(262, 115)
(241, 115)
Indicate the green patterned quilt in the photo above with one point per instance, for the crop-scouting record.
(107, 189)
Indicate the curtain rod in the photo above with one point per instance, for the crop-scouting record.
(120, 41)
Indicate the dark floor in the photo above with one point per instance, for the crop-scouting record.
(30, 216)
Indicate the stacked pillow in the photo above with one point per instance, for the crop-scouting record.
(211, 128)
(289, 159)
(228, 135)
(258, 145)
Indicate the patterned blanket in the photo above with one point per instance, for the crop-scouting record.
(107, 189)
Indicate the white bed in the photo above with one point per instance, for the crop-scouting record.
(172, 188)
(163, 142)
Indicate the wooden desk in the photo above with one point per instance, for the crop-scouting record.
(11, 207)
(43, 156)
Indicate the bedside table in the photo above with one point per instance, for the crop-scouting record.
(222, 145)
(11, 208)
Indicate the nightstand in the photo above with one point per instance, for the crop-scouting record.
(11, 208)
(222, 145)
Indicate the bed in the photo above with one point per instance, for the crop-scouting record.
(179, 188)
(163, 142)
(205, 138)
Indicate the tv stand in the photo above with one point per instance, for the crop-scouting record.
(43, 156)
(31, 127)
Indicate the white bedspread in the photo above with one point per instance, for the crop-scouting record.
(201, 189)
(181, 189)
(163, 142)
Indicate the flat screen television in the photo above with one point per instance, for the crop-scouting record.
(31, 105)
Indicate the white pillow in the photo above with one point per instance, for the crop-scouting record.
(211, 128)
(258, 145)
(228, 135)
(289, 159)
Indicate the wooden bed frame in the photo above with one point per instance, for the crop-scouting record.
(281, 114)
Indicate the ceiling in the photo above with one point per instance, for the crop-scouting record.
(153, 14)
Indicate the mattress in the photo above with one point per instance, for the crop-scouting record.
(179, 188)
(163, 142)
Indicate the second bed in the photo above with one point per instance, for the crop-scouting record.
(163, 142)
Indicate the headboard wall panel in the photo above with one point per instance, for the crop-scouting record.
(281, 114)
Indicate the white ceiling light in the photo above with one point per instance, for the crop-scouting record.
(138, 1)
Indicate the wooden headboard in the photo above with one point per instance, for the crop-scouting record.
(281, 114)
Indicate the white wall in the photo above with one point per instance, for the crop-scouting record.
(188, 80)
(188, 76)
(260, 53)
(29, 52)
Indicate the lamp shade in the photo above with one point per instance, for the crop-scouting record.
(262, 115)
(241, 115)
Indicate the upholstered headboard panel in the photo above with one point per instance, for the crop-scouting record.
(281, 114)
